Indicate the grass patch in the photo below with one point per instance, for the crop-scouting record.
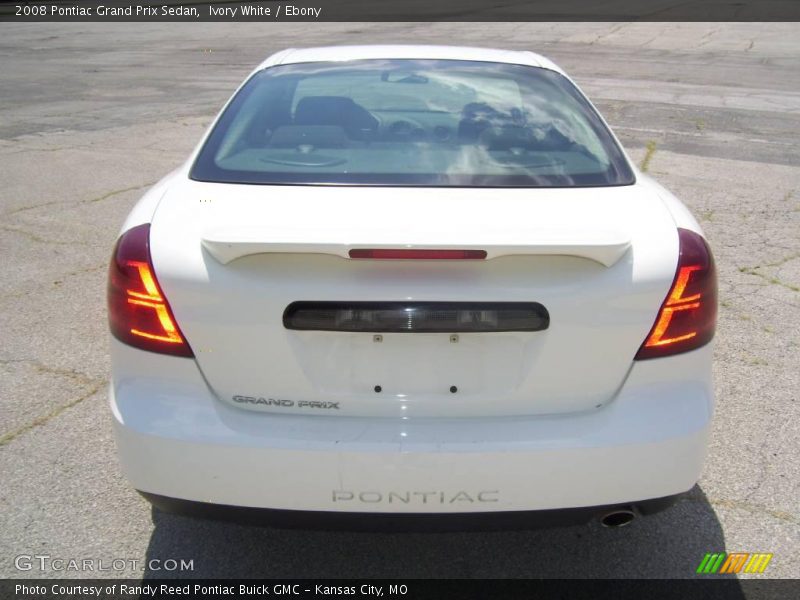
(648, 156)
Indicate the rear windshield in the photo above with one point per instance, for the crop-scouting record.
(411, 122)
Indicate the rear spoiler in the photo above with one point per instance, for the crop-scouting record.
(605, 248)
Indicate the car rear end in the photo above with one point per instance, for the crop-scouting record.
(405, 349)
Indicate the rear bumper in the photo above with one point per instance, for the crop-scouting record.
(427, 522)
(178, 441)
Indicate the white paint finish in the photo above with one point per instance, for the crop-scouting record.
(145, 208)
(401, 51)
(232, 314)
(604, 247)
(681, 215)
(176, 439)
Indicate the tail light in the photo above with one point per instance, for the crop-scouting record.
(138, 312)
(688, 316)
(416, 254)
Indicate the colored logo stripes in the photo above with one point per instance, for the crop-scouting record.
(735, 562)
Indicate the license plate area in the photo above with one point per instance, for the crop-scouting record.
(407, 366)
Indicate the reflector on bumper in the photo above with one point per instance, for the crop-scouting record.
(410, 317)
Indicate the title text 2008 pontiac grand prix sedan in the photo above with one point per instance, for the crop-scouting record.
(417, 280)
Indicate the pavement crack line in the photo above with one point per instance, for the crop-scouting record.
(768, 278)
(69, 373)
(100, 198)
(781, 515)
(755, 508)
(117, 192)
(46, 418)
(57, 282)
(37, 238)
(48, 149)
(614, 29)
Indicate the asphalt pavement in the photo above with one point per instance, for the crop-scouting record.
(93, 114)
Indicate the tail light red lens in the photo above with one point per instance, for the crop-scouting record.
(688, 317)
(138, 312)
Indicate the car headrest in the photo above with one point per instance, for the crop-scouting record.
(356, 120)
(475, 118)
(505, 137)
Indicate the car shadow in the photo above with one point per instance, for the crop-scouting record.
(669, 544)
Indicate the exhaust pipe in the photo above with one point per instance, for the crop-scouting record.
(617, 518)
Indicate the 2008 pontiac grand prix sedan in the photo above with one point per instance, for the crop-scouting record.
(411, 279)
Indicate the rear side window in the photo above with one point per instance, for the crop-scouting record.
(411, 122)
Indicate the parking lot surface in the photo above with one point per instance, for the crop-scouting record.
(91, 115)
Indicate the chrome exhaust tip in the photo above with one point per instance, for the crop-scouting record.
(618, 518)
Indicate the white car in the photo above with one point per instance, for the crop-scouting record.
(411, 281)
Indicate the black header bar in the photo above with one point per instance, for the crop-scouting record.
(400, 10)
(399, 589)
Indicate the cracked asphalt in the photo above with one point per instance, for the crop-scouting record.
(93, 114)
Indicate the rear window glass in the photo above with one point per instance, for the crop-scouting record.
(411, 122)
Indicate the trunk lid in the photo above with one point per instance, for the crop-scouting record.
(232, 258)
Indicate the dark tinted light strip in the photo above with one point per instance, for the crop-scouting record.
(420, 317)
